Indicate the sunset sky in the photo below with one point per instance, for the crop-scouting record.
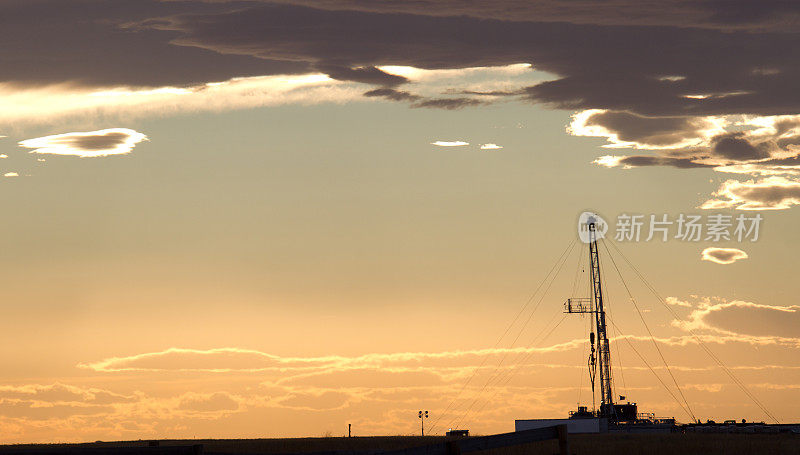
(274, 218)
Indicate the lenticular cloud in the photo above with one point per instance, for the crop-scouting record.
(112, 141)
(723, 255)
(450, 143)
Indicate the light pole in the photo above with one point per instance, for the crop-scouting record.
(422, 416)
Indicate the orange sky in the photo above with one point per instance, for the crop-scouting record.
(277, 218)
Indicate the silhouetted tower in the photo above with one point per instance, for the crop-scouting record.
(600, 355)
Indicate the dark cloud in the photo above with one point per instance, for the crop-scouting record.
(392, 94)
(655, 67)
(790, 161)
(615, 67)
(422, 102)
(87, 42)
(367, 75)
(491, 92)
(607, 55)
(745, 13)
(643, 160)
(100, 142)
(653, 131)
(448, 103)
(715, 14)
(728, 149)
(734, 147)
(784, 125)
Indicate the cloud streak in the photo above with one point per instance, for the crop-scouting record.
(748, 320)
(773, 193)
(65, 103)
(230, 385)
(78, 104)
(226, 360)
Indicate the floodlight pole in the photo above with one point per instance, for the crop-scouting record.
(422, 416)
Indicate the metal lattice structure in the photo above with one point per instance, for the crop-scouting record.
(600, 356)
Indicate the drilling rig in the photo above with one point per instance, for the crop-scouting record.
(600, 352)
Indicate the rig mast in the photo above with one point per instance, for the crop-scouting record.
(600, 351)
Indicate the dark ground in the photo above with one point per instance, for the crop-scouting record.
(605, 444)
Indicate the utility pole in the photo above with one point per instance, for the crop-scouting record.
(349, 435)
(422, 416)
